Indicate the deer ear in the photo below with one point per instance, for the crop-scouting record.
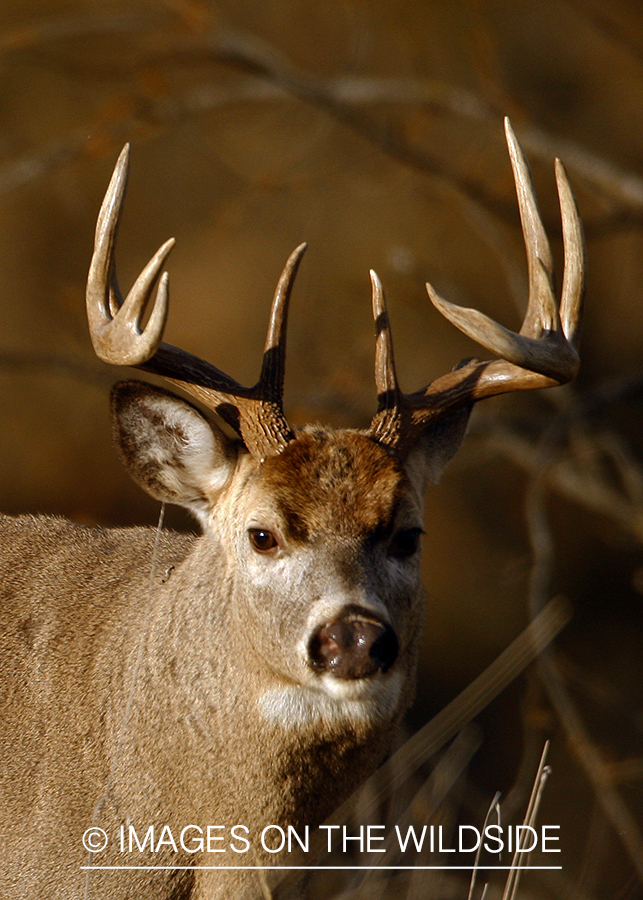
(437, 446)
(169, 448)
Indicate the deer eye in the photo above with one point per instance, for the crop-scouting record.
(262, 540)
(405, 543)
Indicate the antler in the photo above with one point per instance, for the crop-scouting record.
(256, 413)
(542, 354)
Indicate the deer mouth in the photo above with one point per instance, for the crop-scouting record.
(354, 645)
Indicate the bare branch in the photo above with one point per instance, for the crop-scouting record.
(580, 742)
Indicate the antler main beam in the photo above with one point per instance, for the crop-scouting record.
(542, 354)
(256, 413)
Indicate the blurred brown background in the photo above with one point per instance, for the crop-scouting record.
(373, 131)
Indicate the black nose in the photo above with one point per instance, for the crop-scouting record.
(353, 646)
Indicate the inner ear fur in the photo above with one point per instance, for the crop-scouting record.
(169, 447)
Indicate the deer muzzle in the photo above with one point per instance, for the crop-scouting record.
(354, 645)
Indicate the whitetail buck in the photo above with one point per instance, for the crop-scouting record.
(253, 675)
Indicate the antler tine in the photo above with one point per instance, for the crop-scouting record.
(385, 376)
(541, 311)
(542, 354)
(271, 381)
(571, 304)
(114, 323)
(262, 423)
(389, 421)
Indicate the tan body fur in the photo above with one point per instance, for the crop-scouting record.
(229, 724)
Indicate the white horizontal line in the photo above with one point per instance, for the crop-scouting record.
(315, 868)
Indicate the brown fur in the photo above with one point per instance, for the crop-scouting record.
(222, 720)
(332, 469)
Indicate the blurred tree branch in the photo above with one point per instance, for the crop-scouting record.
(579, 474)
(598, 771)
(349, 100)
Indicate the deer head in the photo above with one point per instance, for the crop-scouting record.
(328, 522)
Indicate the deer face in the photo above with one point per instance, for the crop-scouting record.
(321, 542)
(328, 546)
